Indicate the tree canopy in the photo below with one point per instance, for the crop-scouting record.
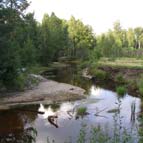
(24, 42)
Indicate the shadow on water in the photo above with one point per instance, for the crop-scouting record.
(16, 127)
(68, 74)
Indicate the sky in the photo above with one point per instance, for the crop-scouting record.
(100, 14)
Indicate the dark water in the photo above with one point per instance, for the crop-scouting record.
(20, 126)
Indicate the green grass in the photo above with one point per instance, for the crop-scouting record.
(140, 85)
(121, 90)
(99, 74)
(81, 111)
(122, 62)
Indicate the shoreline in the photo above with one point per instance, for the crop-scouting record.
(48, 91)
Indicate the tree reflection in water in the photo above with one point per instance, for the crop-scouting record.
(16, 127)
(28, 135)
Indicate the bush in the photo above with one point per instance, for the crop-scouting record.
(121, 90)
(99, 74)
(25, 81)
(19, 82)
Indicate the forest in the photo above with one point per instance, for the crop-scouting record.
(25, 43)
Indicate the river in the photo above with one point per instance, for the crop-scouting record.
(105, 110)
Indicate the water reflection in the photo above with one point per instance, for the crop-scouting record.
(16, 126)
(98, 105)
(104, 108)
(68, 75)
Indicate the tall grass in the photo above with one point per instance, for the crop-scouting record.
(121, 90)
(81, 111)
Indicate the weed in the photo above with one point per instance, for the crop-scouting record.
(99, 74)
(121, 90)
(81, 111)
(140, 86)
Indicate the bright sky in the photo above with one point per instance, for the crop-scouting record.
(100, 14)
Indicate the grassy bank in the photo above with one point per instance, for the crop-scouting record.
(132, 63)
(120, 72)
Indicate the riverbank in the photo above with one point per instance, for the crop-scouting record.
(47, 91)
(123, 72)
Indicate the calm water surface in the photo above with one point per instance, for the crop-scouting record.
(20, 126)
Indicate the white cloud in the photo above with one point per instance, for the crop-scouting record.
(100, 14)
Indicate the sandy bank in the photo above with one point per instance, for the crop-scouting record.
(48, 90)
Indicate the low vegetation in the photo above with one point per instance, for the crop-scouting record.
(121, 90)
(98, 74)
(81, 111)
(124, 62)
(100, 135)
(140, 86)
(120, 79)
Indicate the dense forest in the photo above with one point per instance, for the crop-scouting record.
(25, 43)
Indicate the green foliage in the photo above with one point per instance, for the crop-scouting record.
(121, 90)
(82, 134)
(131, 63)
(120, 42)
(81, 38)
(19, 82)
(81, 111)
(140, 85)
(53, 38)
(25, 43)
(15, 33)
(97, 135)
(119, 79)
(28, 53)
(99, 74)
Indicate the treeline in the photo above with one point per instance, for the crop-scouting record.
(121, 42)
(24, 42)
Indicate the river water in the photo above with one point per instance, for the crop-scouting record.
(105, 109)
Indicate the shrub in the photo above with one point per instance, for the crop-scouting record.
(121, 90)
(19, 82)
(99, 74)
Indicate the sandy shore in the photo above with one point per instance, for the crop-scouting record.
(48, 91)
